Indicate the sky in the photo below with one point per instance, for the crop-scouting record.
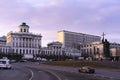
(50, 16)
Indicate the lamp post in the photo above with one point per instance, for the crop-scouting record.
(73, 51)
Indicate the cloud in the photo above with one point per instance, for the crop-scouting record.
(50, 16)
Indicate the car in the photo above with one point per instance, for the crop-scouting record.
(5, 63)
(23, 60)
(86, 69)
(13, 61)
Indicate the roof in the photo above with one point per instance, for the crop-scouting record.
(24, 24)
(78, 33)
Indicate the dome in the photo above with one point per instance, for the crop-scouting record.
(24, 28)
(24, 24)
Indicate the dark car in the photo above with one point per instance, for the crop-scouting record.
(86, 69)
(23, 60)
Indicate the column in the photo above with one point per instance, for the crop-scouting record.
(25, 42)
(15, 42)
(37, 43)
(18, 42)
(34, 43)
(31, 43)
(28, 43)
(21, 42)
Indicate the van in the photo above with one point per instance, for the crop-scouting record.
(5, 63)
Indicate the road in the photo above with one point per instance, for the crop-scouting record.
(20, 72)
(35, 71)
(108, 74)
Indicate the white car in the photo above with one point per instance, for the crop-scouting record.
(5, 63)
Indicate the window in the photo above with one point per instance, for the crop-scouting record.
(24, 30)
(33, 51)
(16, 44)
(16, 50)
(13, 38)
(13, 44)
(2, 62)
(21, 30)
(20, 51)
(23, 51)
(26, 51)
(30, 51)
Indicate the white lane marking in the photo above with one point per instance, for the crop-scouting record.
(54, 74)
(40, 71)
(32, 74)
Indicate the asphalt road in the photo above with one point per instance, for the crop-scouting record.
(35, 71)
(72, 72)
(19, 72)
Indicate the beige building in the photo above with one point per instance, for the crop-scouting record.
(73, 39)
(92, 50)
(115, 50)
(114, 45)
(95, 50)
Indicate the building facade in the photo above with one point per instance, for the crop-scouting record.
(73, 39)
(3, 47)
(93, 50)
(53, 48)
(23, 42)
(96, 50)
(115, 51)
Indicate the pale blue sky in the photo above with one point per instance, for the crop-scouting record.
(49, 16)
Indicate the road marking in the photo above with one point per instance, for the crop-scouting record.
(54, 74)
(32, 74)
(40, 71)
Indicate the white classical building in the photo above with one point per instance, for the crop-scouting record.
(23, 42)
(53, 48)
